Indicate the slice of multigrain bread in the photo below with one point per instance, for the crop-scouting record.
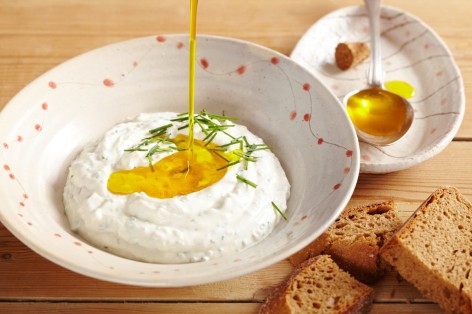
(319, 286)
(355, 238)
(433, 250)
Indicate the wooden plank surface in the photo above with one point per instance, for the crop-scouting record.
(36, 35)
(179, 308)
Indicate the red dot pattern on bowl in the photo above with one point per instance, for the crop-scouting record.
(109, 82)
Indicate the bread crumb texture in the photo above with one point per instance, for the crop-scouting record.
(355, 238)
(433, 250)
(319, 286)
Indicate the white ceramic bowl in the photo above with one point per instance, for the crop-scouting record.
(44, 127)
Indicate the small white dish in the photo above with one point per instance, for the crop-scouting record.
(44, 127)
(411, 52)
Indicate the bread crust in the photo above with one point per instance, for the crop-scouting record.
(355, 238)
(278, 302)
(433, 250)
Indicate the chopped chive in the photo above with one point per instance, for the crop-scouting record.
(214, 130)
(244, 180)
(256, 147)
(182, 127)
(233, 142)
(245, 156)
(221, 127)
(212, 137)
(149, 158)
(201, 127)
(158, 133)
(226, 133)
(218, 149)
(209, 125)
(205, 121)
(155, 139)
(221, 117)
(261, 148)
(221, 156)
(159, 129)
(212, 133)
(279, 211)
(228, 165)
(158, 149)
(181, 119)
(246, 142)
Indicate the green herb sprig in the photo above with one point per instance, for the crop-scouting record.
(277, 209)
(244, 180)
(211, 125)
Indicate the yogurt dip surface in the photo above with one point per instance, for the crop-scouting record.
(225, 217)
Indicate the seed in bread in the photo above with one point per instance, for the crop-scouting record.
(319, 286)
(355, 238)
(433, 250)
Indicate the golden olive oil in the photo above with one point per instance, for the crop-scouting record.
(195, 165)
(171, 176)
(191, 76)
(377, 112)
(401, 88)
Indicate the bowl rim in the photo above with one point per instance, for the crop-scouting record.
(380, 167)
(77, 268)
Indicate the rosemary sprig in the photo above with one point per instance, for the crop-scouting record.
(244, 180)
(279, 211)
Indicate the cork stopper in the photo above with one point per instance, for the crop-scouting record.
(348, 55)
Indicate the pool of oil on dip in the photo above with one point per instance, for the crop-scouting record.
(223, 217)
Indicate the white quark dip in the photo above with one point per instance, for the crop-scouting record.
(225, 217)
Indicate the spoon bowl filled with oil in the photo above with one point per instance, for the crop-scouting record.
(380, 117)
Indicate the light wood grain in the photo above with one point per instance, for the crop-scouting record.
(178, 308)
(36, 35)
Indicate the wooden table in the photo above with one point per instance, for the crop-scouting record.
(36, 35)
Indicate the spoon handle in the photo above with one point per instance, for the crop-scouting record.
(375, 71)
